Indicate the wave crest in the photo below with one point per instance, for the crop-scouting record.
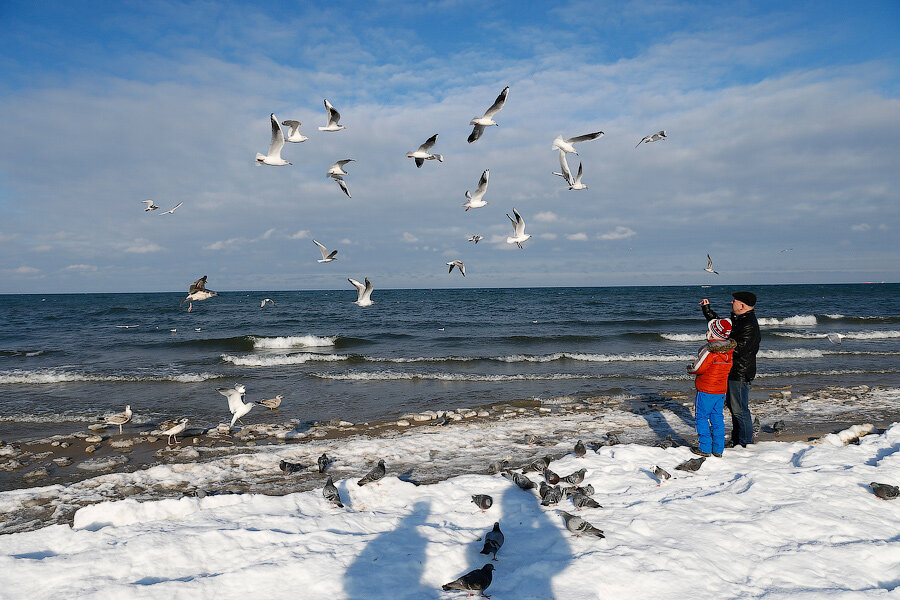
(796, 320)
(293, 341)
(280, 360)
(58, 376)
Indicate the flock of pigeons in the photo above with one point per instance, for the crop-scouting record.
(475, 199)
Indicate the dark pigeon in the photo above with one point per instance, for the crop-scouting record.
(331, 493)
(583, 501)
(288, 468)
(520, 480)
(551, 477)
(323, 462)
(579, 526)
(538, 465)
(580, 449)
(576, 477)
(375, 474)
(612, 439)
(550, 495)
(532, 439)
(778, 427)
(483, 501)
(885, 491)
(756, 425)
(667, 443)
(498, 466)
(691, 465)
(661, 473)
(587, 490)
(473, 581)
(493, 541)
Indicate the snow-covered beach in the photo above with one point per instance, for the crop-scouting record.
(781, 519)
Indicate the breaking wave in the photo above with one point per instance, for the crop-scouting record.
(294, 341)
(398, 376)
(280, 360)
(795, 321)
(59, 376)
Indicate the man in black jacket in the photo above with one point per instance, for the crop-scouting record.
(744, 331)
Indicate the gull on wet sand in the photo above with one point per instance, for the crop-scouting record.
(326, 256)
(198, 292)
(120, 418)
(171, 210)
(333, 117)
(475, 238)
(363, 292)
(519, 234)
(488, 118)
(294, 134)
(174, 430)
(422, 154)
(709, 268)
(476, 200)
(272, 403)
(459, 265)
(276, 143)
(568, 145)
(655, 137)
(236, 403)
(265, 301)
(150, 205)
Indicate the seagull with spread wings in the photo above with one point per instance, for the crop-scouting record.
(326, 256)
(276, 143)
(422, 153)
(333, 119)
(488, 119)
(568, 145)
(198, 292)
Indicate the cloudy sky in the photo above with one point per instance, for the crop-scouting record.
(781, 161)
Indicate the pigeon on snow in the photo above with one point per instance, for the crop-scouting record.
(473, 581)
(483, 501)
(493, 541)
(579, 526)
(331, 493)
(375, 474)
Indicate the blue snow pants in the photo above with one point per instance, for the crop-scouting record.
(710, 422)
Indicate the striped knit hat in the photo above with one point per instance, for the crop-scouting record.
(718, 329)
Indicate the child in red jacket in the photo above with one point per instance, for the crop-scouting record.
(711, 368)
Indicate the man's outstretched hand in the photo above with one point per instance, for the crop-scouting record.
(704, 302)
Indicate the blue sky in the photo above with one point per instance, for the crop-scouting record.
(781, 161)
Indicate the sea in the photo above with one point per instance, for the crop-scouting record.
(68, 360)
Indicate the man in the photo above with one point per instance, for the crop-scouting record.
(745, 331)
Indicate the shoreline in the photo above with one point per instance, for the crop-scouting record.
(64, 479)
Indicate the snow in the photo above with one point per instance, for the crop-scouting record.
(775, 520)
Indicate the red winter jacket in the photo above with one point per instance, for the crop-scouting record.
(712, 366)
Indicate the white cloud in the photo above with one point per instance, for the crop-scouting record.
(409, 238)
(224, 244)
(142, 246)
(5, 237)
(619, 233)
(861, 227)
(546, 217)
(451, 253)
(42, 248)
(300, 235)
(346, 241)
(268, 233)
(83, 268)
(547, 236)
(23, 270)
(577, 237)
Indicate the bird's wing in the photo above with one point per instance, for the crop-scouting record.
(345, 161)
(483, 182)
(322, 249)
(360, 288)
(294, 125)
(147, 202)
(585, 138)
(451, 265)
(198, 286)
(462, 268)
(477, 130)
(428, 143)
(420, 162)
(520, 223)
(172, 210)
(564, 165)
(332, 255)
(277, 141)
(343, 184)
(643, 139)
(708, 262)
(498, 103)
(367, 293)
(333, 115)
(234, 398)
(580, 173)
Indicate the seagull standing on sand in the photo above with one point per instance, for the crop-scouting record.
(333, 118)
(709, 268)
(294, 134)
(568, 145)
(171, 210)
(519, 234)
(235, 401)
(475, 200)
(659, 135)
(459, 265)
(269, 300)
(326, 257)
(198, 292)
(475, 238)
(272, 403)
(422, 154)
(276, 143)
(488, 119)
(363, 292)
(120, 419)
(173, 431)
(150, 205)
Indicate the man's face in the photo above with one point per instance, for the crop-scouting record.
(739, 308)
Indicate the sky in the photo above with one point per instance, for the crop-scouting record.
(781, 159)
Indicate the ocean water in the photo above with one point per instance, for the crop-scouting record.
(67, 360)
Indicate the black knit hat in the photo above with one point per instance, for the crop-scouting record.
(748, 298)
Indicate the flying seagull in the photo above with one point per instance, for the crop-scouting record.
(265, 300)
(564, 167)
(709, 268)
(476, 238)
(422, 154)
(577, 185)
(171, 210)
(659, 135)
(326, 257)
(333, 118)
(363, 292)
(273, 158)
(459, 265)
(488, 119)
(568, 145)
(475, 200)
(343, 184)
(338, 167)
(294, 134)
(198, 292)
(120, 419)
(236, 404)
(150, 205)
(519, 234)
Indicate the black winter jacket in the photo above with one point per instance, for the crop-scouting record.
(744, 331)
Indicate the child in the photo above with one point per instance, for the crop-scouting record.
(711, 368)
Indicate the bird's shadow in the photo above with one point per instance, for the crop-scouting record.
(392, 564)
(650, 408)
